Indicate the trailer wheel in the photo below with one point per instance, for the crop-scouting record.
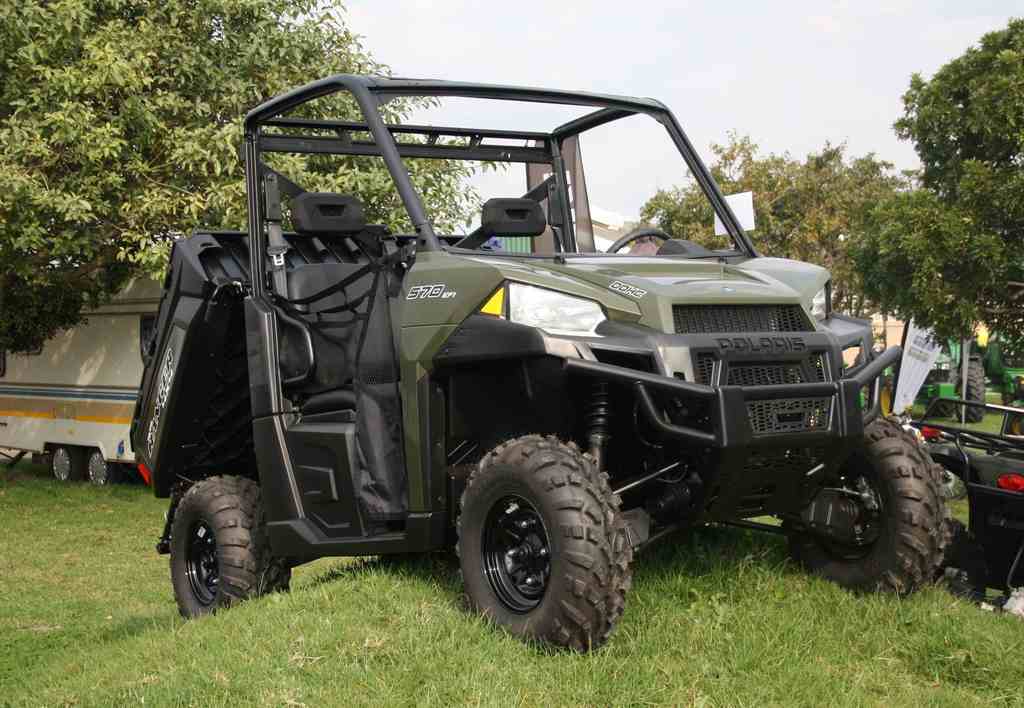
(67, 462)
(220, 551)
(101, 472)
(900, 511)
(541, 546)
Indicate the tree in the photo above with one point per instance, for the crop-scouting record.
(948, 254)
(120, 123)
(810, 210)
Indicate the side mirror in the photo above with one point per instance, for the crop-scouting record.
(742, 206)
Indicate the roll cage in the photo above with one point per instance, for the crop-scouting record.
(306, 136)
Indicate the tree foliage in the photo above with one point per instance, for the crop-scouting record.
(949, 254)
(809, 210)
(120, 122)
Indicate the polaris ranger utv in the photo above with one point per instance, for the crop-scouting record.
(325, 386)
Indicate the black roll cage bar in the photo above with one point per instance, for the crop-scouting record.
(370, 93)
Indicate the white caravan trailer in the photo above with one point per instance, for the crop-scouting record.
(72, 401)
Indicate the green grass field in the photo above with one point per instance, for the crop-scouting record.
(718, 617)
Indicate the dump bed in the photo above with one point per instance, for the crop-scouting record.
(193, 410)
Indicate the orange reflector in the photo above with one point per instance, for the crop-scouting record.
(146, 475)
(495, 304)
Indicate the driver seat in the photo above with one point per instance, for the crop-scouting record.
(322, 321)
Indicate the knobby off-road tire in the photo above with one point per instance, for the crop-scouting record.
(227, 510)
(910, 547)
(553, 487)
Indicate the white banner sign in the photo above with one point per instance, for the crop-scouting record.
(919, 355)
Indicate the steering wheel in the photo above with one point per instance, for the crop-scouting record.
(636, 235)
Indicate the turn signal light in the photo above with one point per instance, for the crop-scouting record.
(1011, 482)
(931, 434)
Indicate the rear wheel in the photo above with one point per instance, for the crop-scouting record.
(68, 464)
(220, 552)
(541, 546)
(100, 471)
(893, 494)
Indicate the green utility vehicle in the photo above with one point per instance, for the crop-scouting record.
(324, 386)
(1005, 370)
(945, 381)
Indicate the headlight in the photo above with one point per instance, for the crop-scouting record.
(820, 305)
(552, 311)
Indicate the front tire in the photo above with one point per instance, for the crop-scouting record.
(910, 543)
(220, 551)
(541, 546)
(67, 463)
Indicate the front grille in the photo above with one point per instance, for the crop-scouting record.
(717, 319)
(789, 415)
(775, 373)
(705, 368)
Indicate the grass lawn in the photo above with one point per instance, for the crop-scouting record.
(717, 617)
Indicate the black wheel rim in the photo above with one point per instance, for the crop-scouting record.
(201, 564)
(516, 553)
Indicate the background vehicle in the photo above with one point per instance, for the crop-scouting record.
(989, 553)
(72, 401)
(945, 381)
(339, 389)
(1005, 370)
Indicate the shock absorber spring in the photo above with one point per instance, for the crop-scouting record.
(598, 422)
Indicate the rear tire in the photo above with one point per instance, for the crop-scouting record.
(542, 549)
(67, 463)
(911, 542)
(101, 472)
(220, 551)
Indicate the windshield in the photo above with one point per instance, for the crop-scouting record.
(503, 170)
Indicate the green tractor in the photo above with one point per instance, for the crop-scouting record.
(944, 381)
(1004, 367)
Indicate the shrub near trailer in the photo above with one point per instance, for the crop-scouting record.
(322, 386)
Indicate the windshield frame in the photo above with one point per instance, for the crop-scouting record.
(293, 135)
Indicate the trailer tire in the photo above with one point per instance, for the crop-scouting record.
(545, 503)
(68, 463)
(220, 550)
(100, 472)
(911, 541)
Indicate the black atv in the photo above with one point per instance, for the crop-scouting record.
(989, 552)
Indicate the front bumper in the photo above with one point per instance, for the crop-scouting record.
(730, 426)
(751, 454)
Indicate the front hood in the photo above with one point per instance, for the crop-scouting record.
(653, 284)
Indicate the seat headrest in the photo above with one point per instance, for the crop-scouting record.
(512, 217)
(326, 213)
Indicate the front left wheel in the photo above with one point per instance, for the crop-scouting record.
(542, 549)
(890, 492)
(220, 551)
